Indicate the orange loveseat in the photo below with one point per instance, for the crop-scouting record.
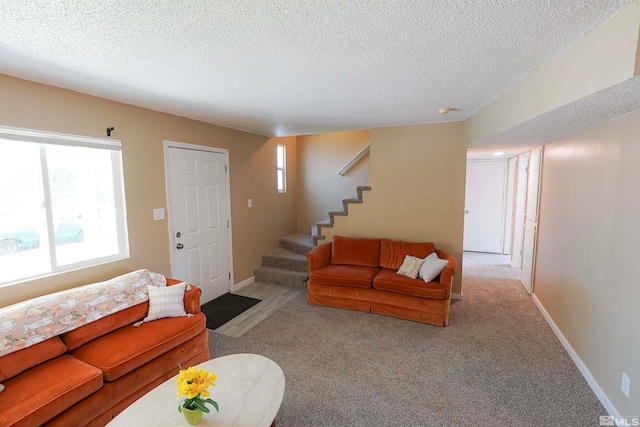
(360, 274)
(88, 375)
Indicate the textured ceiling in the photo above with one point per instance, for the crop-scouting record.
(285, 67)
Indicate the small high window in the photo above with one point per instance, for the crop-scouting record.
(62, 203)
(281, 167)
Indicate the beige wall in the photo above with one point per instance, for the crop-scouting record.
(320, 188)
(603, 58)
(418, 179)
(252, 171)
(588, 250)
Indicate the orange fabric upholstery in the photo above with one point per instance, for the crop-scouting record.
(14, 363)
(392, 252)
(345, 275)
(389, 280)
(93, 330)
(191, 296)
(96, 407)
(122, 363)
(319, 257)
(86, 333)
(446, 275)
(43, 391)
(355, 251)
(131, 347)
(343, 286)
(115, 396)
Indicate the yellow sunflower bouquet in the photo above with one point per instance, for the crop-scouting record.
(192, 389)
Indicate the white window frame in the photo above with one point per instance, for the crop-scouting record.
(13, 134)
(282, 168)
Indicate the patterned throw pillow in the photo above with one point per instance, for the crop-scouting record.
(410, 267)
(166, 301)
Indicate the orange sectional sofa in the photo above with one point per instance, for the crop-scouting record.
(361, 274)
(88, 375)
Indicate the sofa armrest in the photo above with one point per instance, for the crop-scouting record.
(320, 256)
(191, 296)
(446, 276)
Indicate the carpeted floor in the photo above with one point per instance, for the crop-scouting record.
(224, 308)
(497, 364)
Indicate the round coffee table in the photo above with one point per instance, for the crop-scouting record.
(249, 392)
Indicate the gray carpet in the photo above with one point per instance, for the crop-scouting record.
(497, 364)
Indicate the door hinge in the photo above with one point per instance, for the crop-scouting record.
(227, 223)
(229, 275)
(225, 169)
(521, 252)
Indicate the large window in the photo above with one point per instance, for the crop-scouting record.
(61, 203)
(281, 167)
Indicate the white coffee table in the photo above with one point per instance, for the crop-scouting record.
(249, 392)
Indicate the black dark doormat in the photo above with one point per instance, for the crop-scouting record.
(224, 308)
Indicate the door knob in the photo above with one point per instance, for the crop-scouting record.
(179, 246)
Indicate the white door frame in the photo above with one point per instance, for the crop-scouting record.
(167, 173)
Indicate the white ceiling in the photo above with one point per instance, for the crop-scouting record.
(292, 67)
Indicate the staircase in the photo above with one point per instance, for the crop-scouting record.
(287, 265)
(316, 230)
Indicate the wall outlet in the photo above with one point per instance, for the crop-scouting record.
(250, 203)
(625, 384)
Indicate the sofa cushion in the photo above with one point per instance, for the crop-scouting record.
(90, 331)
(392, 252)
(130, 347)
(354, 276)
(388, 280)
(14, 363)
(44, 391)
(355, 251)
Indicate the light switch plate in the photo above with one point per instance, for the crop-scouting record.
(250, 203)
(158, 214)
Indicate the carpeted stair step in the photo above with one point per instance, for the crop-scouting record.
(279, 276)
(299, 242)
(283, 258)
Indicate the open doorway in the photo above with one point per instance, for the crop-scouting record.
(506, 192)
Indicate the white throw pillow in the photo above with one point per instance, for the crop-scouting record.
(410, 266)
(166, 301)
(431, 267)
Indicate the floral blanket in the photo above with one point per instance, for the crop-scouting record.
(35, 320)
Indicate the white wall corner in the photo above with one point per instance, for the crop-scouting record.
(600, 394)
(244, 283)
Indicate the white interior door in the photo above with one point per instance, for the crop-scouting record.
(521, 203)
(484, 206)
(531, 220)
(510, 201)
(199, 219)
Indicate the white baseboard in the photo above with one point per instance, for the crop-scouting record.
(456, 296)
(244, 283)
(600, 394)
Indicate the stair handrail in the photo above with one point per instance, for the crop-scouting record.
(355, 159)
